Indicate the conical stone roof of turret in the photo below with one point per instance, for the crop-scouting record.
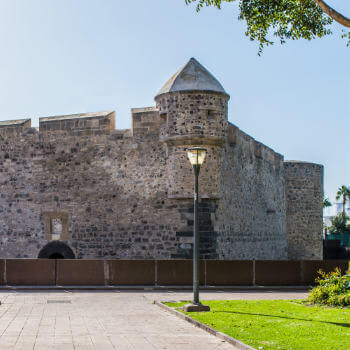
(192, 76)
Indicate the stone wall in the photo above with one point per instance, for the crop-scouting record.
(76, 187)
(107, 185)
(129, 193)
(13, 128)
(104, 195)
(145, 122)
(192, 118)
(192, 115)
(304, 198)
(79, 124)
(251, 211)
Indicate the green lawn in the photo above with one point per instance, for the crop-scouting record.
(279, 324)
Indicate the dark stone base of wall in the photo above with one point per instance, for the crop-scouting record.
(207, 234)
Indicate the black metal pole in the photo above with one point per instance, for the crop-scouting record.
(196, 169)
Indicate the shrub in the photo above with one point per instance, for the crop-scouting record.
(333, 289)
(339, 224)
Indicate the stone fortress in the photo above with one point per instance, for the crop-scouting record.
(78, 188)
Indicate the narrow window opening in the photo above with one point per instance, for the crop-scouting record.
(163, 118)
(56, 228)
(211, 114)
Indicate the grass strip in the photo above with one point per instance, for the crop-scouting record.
(278, 324)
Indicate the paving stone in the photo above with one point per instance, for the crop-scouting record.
(115, 320)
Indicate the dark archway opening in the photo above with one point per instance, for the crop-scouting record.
(56, 250)
(56, 256)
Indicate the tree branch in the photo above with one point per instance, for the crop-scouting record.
(338, 17)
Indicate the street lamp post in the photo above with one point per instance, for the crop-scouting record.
(196, 155)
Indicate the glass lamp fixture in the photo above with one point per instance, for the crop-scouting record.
(196, 155)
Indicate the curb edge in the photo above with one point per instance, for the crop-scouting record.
(206, 328)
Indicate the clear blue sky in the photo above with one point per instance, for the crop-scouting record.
(64, 56)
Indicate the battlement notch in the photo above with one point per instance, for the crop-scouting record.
(145, 121)
(10, 128)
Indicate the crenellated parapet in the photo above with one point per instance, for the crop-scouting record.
(145, 122)
(84, 124)
(11, 128)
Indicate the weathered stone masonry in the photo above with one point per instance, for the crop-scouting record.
(304, 184)
(110, 193)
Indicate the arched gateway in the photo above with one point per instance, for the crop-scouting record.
(56, 250)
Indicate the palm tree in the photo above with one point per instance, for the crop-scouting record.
(326, 202)
(343, 192)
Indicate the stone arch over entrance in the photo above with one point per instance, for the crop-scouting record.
(56, 250)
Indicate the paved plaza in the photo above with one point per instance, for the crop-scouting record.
(107, 320)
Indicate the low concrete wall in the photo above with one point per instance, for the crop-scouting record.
(178, 272)
(80, 272)
(131, 272)
(310, 267)
(283, 273)
(29, 272)
(2, 272)
(162, 272)
(229, 272)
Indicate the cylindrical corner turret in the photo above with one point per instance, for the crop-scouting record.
(304, 198)
(192, 107)
(193, 111)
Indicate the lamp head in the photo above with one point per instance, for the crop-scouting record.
(196, 155)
